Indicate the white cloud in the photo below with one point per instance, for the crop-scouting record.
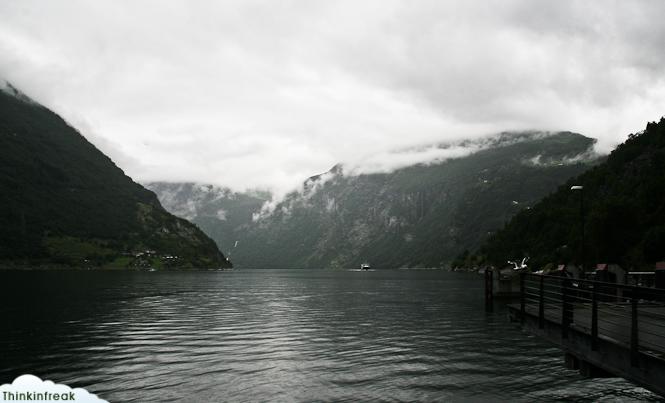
(262, 94)
(586, 156)
(386, 162)
(32, 388)
(221, 214)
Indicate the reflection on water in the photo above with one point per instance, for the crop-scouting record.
(279, 335)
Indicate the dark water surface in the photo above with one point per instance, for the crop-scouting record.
(280, 335)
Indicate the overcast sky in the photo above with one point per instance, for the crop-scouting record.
(266, 93)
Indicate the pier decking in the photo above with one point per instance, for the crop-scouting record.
(604, 329)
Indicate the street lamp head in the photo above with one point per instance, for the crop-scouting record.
(576, 187)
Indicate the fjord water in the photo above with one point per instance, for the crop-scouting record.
(280, 335)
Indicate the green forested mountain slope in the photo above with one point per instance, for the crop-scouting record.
(624, 208)
(423, 215)
(65, 203)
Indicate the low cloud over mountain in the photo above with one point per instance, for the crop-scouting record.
(260, 94)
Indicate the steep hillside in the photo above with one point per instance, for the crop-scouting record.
(66, 203)
(624, 209)
(422, 215)
(219, 212)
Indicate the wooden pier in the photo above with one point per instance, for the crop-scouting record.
(604, 329)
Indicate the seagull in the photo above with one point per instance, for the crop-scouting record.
(520, 266)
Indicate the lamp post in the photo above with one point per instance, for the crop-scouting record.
(581, 189)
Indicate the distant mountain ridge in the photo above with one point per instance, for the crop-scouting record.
(418, 216)
(218, 211)
(66, 204)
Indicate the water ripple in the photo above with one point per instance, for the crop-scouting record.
(279, 335)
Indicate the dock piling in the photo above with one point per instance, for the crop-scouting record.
(522, 297)
(594, 318)
(489, 297)
(541, 303)
(634, 341)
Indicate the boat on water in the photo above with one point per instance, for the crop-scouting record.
(365, 266)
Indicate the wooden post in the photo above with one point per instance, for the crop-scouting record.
(566, 308)
(522, 297)
(594, 318)
(489, 296)
(541, 303)
(634, 341)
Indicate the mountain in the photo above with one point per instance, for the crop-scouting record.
(419, 216)
(219, 212)
(64, 203)
(624, 213)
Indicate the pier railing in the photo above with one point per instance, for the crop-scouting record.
(627, 315)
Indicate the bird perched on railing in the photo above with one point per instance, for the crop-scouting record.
(520, 266)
